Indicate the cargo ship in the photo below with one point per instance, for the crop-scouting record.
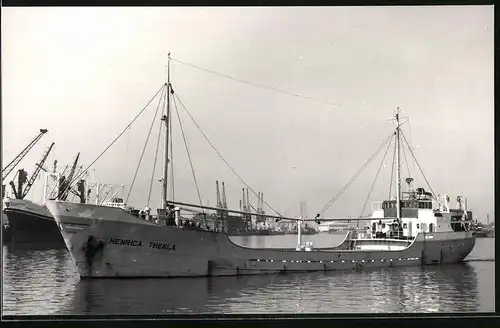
(412, 229)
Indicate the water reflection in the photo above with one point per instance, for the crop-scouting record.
(43, 280)
(431, 289)
(449, 289)
(39, 280)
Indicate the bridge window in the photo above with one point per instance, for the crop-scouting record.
(431, 227)
(405, 225)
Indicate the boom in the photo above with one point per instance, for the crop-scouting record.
(6, 171)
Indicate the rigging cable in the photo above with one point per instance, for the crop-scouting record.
(376, 176)
(154, 164)
(257, 85)
(409, 144)
(80, 168)
(220, 156)
(354, 177)
(55, 189)
(144, 148)
(406, 161)
(409, 131)
(189, 155)
(421, 171)
(123, 131)
(103, 200)
(392, 169)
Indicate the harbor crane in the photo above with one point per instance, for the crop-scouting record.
(64, 186)
(6, 171)
(224, 200)
(219, 202)
(79, 192)
(22, 177)
(221, 198)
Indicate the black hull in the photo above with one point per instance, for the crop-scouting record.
(29, 227)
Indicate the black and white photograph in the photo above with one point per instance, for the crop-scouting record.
(248, 160)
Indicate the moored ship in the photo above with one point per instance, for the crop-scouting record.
(29, 222)
(413, 229)
(26, 221)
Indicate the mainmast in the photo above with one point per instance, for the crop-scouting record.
(165, 119)
(398, 170)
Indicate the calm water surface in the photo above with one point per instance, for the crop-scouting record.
(44, 281)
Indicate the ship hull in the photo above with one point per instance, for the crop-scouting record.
(25, 226)
(490, 233)
(108, 242)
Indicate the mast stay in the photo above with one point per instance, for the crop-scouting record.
(167, 124)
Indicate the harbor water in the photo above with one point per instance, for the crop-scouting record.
(42, 281)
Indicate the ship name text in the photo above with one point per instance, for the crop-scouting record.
(156, 245)
(126, 242)
(138, 243)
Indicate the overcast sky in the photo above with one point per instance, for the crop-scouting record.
(84, 73)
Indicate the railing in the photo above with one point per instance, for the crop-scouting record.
(208, 224)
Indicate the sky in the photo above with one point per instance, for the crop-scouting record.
(85, 73)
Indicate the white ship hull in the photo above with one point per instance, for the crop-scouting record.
(109, 242)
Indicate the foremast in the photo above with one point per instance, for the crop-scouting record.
(166, 118)
(398, 169)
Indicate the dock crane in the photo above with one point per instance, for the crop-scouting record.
(6, 171)
(224, 200)
(80, 191)
(65, 186)
(22, 177)
(219, 202)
